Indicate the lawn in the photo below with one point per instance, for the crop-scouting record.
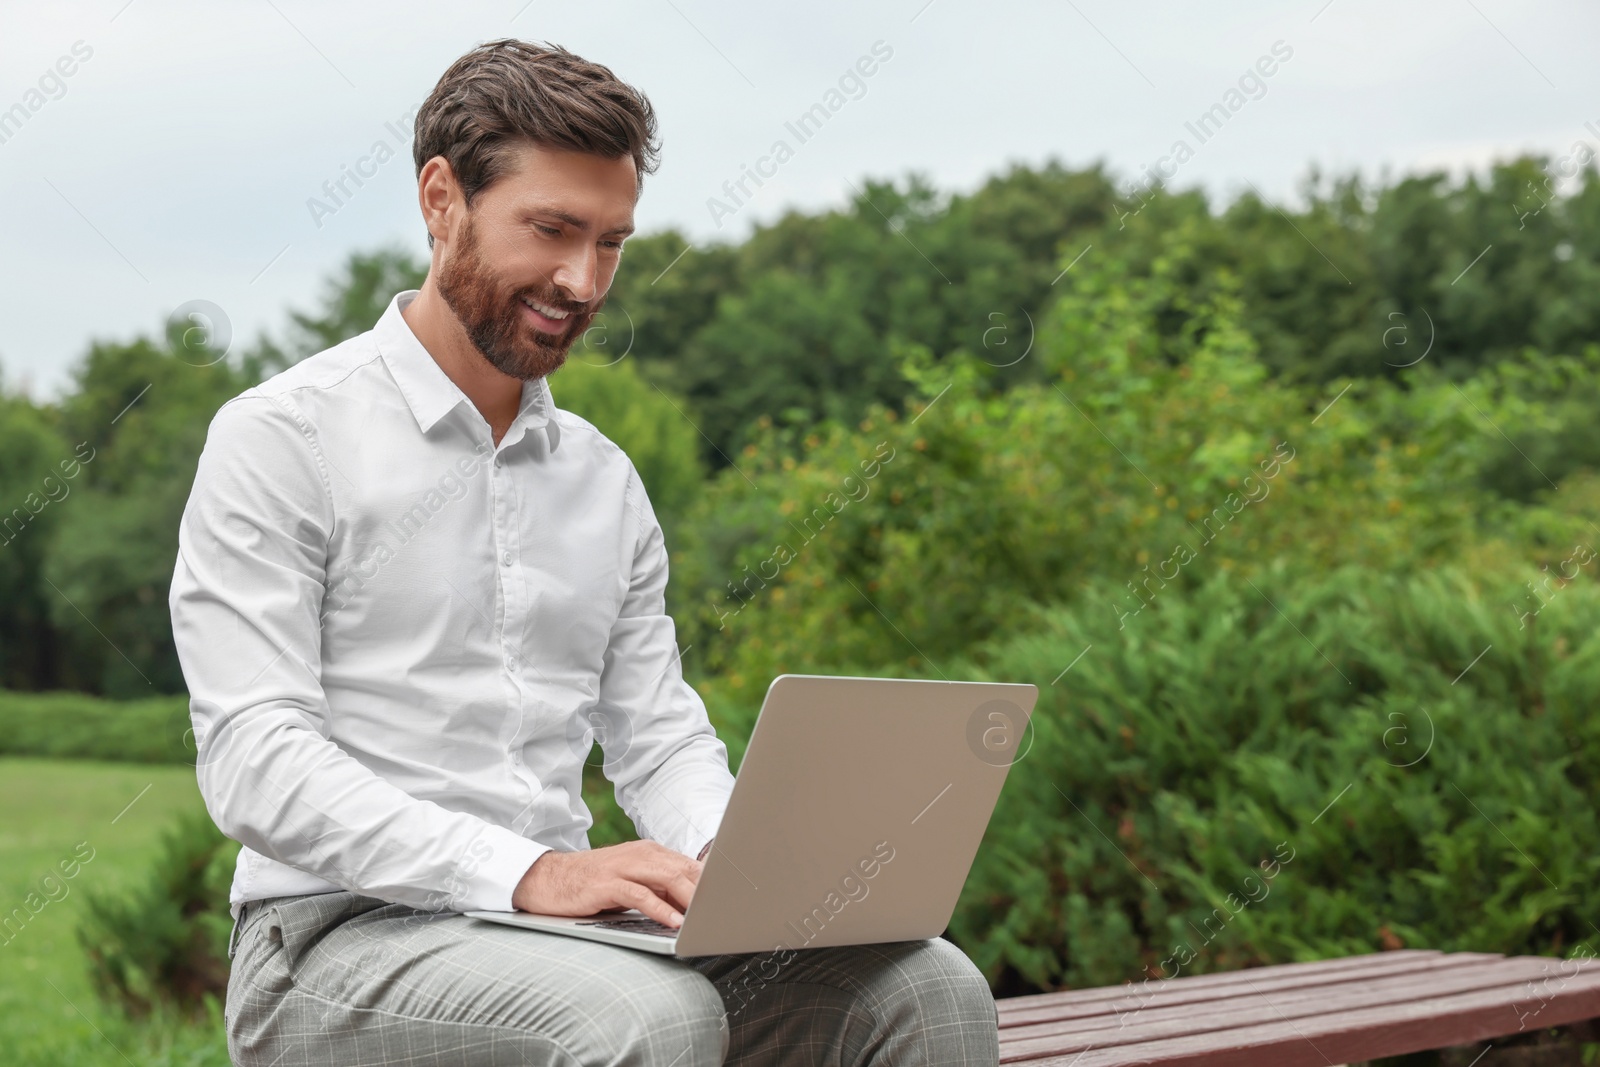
(58, 811)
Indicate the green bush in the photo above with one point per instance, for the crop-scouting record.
(901, 543)
(1326, 730)
(38, 475)
(79, 726)
(598, 384)
(163, 946)
(140, 409)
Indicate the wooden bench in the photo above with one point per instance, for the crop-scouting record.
(1302, 1014)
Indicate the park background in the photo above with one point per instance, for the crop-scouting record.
(1287, 504)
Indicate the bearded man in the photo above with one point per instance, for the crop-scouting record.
(409, 587)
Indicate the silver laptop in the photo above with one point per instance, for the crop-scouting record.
(854, 819)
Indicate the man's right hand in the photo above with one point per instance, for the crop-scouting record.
(636, 874)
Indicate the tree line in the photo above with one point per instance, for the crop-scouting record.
(712, 359)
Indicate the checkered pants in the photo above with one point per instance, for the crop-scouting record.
(339, 980)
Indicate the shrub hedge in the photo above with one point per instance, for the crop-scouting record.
(1268, 770)
(80, 726)
(1251, 770)
(162, 946)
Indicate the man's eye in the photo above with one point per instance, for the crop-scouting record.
(547, 230)
(612, 244)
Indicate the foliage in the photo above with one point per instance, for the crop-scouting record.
(76, 725)
(59, 810)
(34, 481)
(140, 412)
(807, 312)
(351, 302)
(1470, 272)
(1284, 479)
(642, 420)
(164, 944)
(1150, 456)
(87, 559)
(805, 318)
(1365, 737)
(1021, 292)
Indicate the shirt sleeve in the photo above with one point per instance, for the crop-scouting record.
(669, 768)
(246, 603)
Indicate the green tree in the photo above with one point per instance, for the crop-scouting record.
(1147, 437)
(143, 409)
(38, 478)
(641, 419)
(352, 302)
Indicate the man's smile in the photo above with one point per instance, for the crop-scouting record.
(545, 318)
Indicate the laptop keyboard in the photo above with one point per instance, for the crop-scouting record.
(635, 926)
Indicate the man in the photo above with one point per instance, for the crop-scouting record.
(409, 588)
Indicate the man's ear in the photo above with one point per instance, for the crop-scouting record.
(437, 188)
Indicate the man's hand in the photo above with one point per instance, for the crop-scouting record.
(636, 874)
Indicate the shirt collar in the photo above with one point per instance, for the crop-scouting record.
(430, 393)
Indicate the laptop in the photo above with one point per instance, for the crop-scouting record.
(854, 819)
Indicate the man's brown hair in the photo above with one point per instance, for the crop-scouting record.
(505, 93)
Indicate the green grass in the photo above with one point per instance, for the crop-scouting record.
(49, 1015)
(53, 808)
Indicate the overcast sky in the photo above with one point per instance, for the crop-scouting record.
(178, 159)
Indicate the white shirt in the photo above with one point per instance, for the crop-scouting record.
(400, 639)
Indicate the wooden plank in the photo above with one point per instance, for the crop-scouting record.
(1230, 984)
(1075, 996)
(1363, 1034)
(1255, 1007)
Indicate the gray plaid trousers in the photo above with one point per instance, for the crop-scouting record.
(340, 980)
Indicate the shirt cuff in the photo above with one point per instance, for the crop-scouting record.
(491, 867)
(699, 841)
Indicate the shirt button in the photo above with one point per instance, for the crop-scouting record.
(506, 559)
(498, 462)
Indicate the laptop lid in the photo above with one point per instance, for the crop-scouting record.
(856, 813)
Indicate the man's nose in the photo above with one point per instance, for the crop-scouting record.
(577, 275)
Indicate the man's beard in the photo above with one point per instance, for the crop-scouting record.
(497, 324)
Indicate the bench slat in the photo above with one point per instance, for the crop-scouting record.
(1230, 984)
(1077, 996)
(1362, 1033)
(1252, 1007)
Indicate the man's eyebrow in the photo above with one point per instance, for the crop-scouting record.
(575, 222)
